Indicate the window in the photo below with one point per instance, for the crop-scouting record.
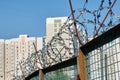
(57, 25)
(55, 30)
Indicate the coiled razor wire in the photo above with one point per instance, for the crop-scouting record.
(64, 44)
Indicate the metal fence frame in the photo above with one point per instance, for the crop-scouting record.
(80, 60)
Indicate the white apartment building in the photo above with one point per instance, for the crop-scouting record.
(53, 25)
(16, 50)
(9, 59)
(2, 57)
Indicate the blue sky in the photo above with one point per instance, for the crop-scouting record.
(29, 16)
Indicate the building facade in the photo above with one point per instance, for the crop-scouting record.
(53, 25)
(67, 32)
(9, 59)
(15, 51)
(2, 58)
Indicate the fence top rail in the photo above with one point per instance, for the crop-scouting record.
(102, 39)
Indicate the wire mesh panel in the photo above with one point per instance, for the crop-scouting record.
(68, 73)
(103, 62)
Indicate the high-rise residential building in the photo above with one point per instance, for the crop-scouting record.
(2, 57)
(15, 51)
(9, 59)
(53, 25)
(23, 48)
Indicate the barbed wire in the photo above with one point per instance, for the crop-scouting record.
(64, 44)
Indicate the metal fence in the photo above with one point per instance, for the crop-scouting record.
(103, 56)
